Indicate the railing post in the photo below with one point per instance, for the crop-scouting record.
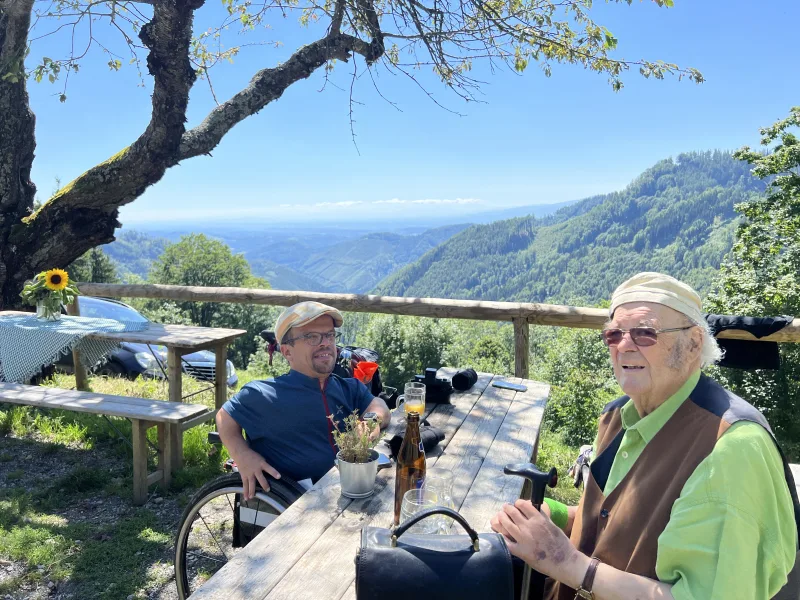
(521, 343)
(81, 383)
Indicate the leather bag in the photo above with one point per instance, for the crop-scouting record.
(395, 565)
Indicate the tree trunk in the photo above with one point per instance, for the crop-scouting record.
(17, 144)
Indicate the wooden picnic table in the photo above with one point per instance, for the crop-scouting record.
(179, 341)
(309, 550)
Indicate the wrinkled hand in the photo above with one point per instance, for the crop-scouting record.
(534, 538)
(251, 467)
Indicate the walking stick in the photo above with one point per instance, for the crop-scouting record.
(533, 581)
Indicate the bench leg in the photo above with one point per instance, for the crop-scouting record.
(139, 429)
(220, 376)
(175, 442)
(165, 455)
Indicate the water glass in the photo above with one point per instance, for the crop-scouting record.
(414, 398)
(415, 501)
(440, 481)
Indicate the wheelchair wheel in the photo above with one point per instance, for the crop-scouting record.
(217, 523)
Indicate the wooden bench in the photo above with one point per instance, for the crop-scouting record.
(171, 419)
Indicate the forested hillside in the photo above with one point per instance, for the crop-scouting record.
(677, 217)
(133, 252)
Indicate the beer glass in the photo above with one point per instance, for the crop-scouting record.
(414, 398)
(440, 481)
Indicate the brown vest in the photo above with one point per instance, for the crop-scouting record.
(622, 529)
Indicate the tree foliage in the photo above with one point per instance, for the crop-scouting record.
(762, 275)
(94, 266)
(197, 260)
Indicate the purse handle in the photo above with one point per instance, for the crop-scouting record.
(439, 510)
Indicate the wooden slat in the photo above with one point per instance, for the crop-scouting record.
(514, 443)
(220, 375)
(154, 477)
(184, 336)
(270, 557)
(88, 402)
(209, 416)
(521, 347)
(326, 571)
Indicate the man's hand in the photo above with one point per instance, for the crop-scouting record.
(534, 538)
(252, 467)
(371, 427)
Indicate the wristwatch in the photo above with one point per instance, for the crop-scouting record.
(585, 591)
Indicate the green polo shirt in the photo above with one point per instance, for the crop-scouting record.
(731, 533)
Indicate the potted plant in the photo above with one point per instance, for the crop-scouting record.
(357, 460)
(47, 291)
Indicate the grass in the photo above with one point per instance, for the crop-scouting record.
(553, 452)
(112, 559)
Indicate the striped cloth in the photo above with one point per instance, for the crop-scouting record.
(28, 344)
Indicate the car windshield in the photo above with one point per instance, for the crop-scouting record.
(103, 309)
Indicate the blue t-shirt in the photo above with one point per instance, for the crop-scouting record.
(285, 419)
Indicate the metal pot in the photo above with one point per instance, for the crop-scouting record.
(358, 479)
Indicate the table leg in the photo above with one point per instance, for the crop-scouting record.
(139, 430)
(220, 376)
(175, 375)
(81, 381)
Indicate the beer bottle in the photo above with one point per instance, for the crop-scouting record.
(410, 464)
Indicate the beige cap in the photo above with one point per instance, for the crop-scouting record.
(659, 289)
(302, 313)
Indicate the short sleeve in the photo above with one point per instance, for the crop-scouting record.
(250, 409)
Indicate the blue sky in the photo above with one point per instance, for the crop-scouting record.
(534, 140)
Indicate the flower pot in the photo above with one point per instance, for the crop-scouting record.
(44, 313)
(358, 479)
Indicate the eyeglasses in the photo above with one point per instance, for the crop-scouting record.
(315, 339)
(641, 336)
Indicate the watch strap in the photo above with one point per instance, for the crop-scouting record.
(588, 579)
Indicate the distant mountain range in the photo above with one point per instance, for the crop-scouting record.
(677, 218)
(320, 257)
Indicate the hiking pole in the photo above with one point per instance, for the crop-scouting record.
(533, 581)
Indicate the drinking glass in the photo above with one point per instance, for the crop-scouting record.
(416, 501)
(440, 481)
(414, 398)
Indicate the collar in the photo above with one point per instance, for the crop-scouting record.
(298, 378)
(651, 424)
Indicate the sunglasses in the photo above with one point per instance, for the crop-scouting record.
(641, 336)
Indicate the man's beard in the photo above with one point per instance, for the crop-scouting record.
(323, 367)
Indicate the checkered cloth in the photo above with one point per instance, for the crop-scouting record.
(28, 344)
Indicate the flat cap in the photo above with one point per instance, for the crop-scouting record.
(302, 313)
(659, 289)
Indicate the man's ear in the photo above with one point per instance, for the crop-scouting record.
(696, 339)
(286, 350)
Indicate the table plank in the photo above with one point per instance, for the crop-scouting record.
(326, 571)
(515, 443)
(179, 336)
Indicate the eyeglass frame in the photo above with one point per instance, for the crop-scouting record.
(653, 329)
(331, 336)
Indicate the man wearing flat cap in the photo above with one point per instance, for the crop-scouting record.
(689, 495)
(286, 418)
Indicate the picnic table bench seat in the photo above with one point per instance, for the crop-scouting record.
(171, 419)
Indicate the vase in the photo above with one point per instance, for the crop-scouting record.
(45, 313)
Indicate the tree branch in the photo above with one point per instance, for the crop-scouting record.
(268, 85)
(97, 194)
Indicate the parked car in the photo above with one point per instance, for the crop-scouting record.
(132, 360)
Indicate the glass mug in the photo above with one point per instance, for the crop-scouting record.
(413, 398)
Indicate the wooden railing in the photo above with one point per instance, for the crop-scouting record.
(521, 314)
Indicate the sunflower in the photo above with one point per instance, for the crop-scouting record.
(56, 279)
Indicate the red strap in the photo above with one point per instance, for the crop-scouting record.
(330, 423)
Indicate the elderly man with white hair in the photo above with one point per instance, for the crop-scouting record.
(689, 495)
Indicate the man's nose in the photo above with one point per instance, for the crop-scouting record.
(626, 343)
